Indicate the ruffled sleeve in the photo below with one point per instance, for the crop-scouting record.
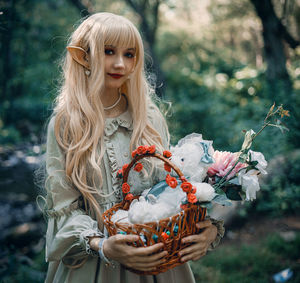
(69, 227)
(220, 232)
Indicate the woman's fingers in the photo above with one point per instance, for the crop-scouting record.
(203, 224)
(193, 256)
(193, 239)
(199, 247)
(126, 238)
(144, 251)
(140, 258)
(143, 262)
(152, 258)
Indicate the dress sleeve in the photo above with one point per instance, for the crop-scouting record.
(220, 232)
(68, 225)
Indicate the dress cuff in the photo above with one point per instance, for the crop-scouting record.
(220, 233)
(85, 238)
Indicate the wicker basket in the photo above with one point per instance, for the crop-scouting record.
(169, 230)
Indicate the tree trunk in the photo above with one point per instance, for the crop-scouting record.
(9, 15)
(149, 15)
(84, 10)
(279, 85)
(273, 40)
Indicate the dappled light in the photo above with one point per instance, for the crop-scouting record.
(221, 64)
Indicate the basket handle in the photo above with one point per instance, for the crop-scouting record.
(156, 155)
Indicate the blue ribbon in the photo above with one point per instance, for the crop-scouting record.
(206, 158)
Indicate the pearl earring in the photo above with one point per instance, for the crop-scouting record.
(87, 72)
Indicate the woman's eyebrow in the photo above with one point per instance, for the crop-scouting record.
(112, 46)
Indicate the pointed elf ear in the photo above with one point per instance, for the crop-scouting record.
(79, 55)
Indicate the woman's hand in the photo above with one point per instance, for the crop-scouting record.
(200, 242)
(142, 258)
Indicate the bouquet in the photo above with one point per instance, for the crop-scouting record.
(197, 176)
(234, 176)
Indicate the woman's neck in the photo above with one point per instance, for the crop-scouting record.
(109, 98)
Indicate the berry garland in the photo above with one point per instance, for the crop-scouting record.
(171, 181)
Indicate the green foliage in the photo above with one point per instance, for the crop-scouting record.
(33, 35)
(280, 193)
(221, 112)
(27, 118)
(20, 268)
(278, 245)
(9, 135)
(249, 263)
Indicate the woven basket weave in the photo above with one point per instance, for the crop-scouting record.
(176, 227)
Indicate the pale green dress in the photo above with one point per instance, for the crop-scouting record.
(69, 226)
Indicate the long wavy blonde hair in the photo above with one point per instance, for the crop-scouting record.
(79, 123)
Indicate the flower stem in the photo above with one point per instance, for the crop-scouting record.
(223, 180)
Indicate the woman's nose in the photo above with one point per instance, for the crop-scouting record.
(119, 62)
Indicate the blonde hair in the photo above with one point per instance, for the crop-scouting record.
(79, 123)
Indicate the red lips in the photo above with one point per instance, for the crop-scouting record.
(115, 76)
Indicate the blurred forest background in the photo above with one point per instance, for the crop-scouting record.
(220, 63)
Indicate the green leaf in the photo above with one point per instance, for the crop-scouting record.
(233, 193)
(252, 163)
(219, 191)
(206, 204)
(234, 181)
(222, 200)
(280, 127)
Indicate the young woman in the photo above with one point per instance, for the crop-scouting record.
(103, 112)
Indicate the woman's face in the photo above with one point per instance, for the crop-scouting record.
(119, 64)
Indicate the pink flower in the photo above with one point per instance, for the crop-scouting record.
(224, 161)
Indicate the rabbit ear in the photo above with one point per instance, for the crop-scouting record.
(191, 138)
(79, 55)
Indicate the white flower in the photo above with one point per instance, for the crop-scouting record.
(248, 139)
(204, 191)
(262, 163)
(249, 183)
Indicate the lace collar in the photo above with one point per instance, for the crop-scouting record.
(112, 124)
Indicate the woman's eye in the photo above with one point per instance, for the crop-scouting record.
(129, 55)
(109, 51)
